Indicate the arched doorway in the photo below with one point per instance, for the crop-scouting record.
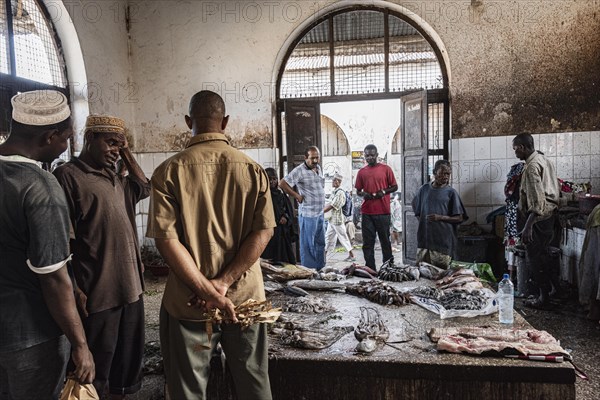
(357, 53)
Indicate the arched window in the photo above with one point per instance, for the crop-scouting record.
(30, 54)
(367, 53)
(361, 52)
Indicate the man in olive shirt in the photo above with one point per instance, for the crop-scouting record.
(211, 217)
(538, 202)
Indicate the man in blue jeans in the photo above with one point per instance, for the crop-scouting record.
(308, 178)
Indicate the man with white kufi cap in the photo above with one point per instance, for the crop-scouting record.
(37, 308)
(336, 229)
(106, 257)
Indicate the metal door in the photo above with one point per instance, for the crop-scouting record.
(302, 129)
(414, 165)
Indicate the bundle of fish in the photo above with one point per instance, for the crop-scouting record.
(459, 299)
(378, 292)
(282, 272)
(248, 313)
(329, 274)
(397, 273)
(370, 329)
(459, 278)
(430, 271)
(427, 292)
(308, 304)
(314, 338)
(360, 271)
(315, 284)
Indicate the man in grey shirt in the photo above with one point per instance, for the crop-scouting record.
(308, 178)
(439, 210)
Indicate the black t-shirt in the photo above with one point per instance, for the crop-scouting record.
(34, 227)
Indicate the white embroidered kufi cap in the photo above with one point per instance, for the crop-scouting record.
(40, 107)
(338, 177)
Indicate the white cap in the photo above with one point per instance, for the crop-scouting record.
(40, 107)
(338, 177)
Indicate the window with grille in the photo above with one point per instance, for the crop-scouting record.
(30, 57)
(29, 43)
(360, 52)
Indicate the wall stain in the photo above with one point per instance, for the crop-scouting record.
(544, 79)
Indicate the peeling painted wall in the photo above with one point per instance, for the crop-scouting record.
(516, 66)
(101, 27)
(521, 66)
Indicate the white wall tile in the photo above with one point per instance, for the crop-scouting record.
(509, 148)
(482, 148)
(547, 144)
(497, 193)
(469, 171)
(595, 185)
(496, 170)
(466, 149)
(143, 205)
(564, 144)
(498, 147)
(267, 158)
(146, 163)
(483, 194)
(581, 167)
(454, 150)
(564, 167)
(581, 143)
(480, 169)
(467, 193)
(158, 158)
(252, 153)
(595, 165)
(595, 143)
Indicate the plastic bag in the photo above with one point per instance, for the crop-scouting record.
(490, 307)
(73, 390)
(482, 270)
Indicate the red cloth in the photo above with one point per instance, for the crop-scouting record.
(371, 180)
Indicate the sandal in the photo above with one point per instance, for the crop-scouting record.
(538, 305)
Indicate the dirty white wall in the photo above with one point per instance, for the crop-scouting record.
(102, 34)
(179, 48)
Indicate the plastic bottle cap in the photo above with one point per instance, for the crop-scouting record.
(505, 276)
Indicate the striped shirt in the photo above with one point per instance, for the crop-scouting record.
(311, 185)
(337, 201)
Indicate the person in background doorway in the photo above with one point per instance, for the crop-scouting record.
(440, 210)
(396, 209)
(336, 229)
(280, 246)
(308, 178)
(107, 262)
(374, 183)
(37, 306)
(538, 203)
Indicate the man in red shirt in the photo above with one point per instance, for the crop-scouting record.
(374, 183)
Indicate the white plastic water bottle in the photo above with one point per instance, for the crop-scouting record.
(506, 298)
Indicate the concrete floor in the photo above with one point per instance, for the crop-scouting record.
(567, 323)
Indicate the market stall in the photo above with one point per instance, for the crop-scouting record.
(405, 365)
